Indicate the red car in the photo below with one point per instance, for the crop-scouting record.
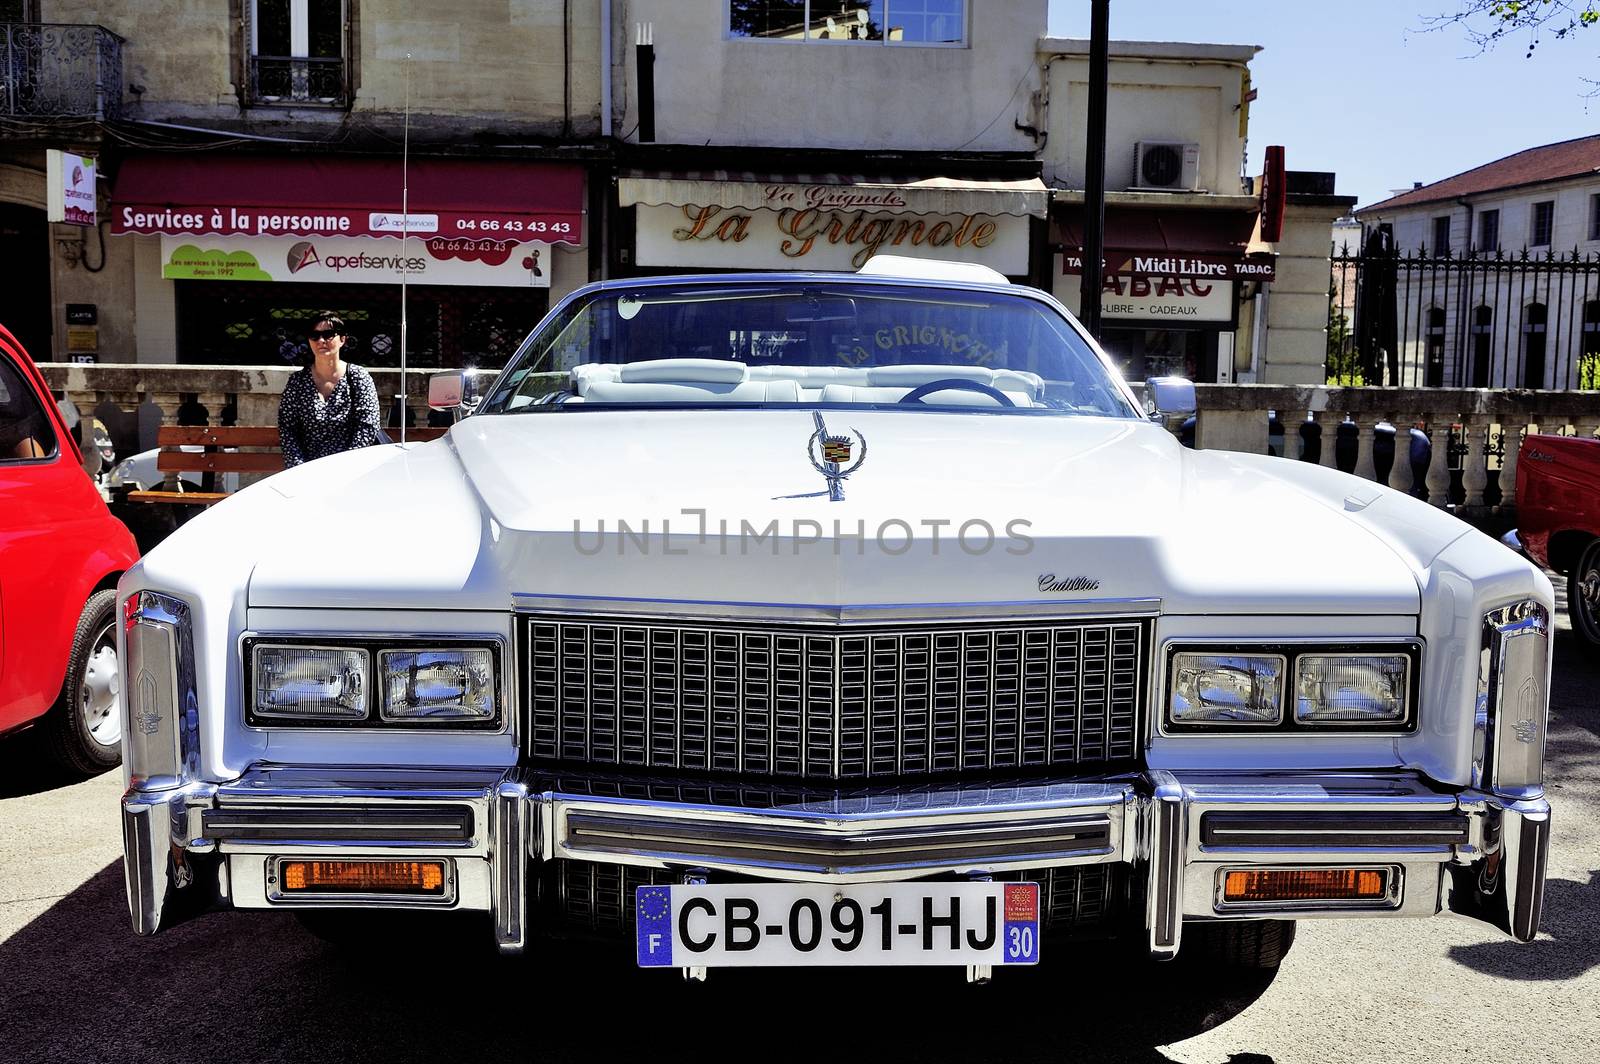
(1558, 510)
(61, 553)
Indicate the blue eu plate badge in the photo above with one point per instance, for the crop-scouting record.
(655, 926)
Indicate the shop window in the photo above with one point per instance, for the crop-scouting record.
(1441, 235)
(1434, 371)
(297, 52)
(1543, 218)
(918, 22)
(1535, 317)
(1482, 344)
(1489, 231)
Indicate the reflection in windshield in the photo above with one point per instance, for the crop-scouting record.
(830, 343)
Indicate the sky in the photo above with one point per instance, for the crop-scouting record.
(1360, 88)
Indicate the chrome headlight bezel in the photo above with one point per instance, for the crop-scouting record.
(373, 647)
(1288, 722)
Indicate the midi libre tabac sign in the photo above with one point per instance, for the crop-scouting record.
(822, 227)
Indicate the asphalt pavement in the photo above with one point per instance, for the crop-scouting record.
(232, 987)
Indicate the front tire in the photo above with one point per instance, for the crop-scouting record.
(1583, 594)
(1241, 944)
(83, 730)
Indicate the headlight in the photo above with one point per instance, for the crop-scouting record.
(437, 684)
(1226, 688)
(1351, 688)
(319, 683)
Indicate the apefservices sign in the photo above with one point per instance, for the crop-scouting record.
(477, 261)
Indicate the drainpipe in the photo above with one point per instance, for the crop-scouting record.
(605, 68)
(645, 56)
(1464, 308)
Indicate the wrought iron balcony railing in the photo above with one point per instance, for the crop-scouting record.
(298, 81)
(60, 70)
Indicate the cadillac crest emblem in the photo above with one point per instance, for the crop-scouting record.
(829, 454)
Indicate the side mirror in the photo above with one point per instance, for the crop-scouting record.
(1169, 397)
(459, 392)
(445, 390)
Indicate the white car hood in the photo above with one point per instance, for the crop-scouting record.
(604, 505)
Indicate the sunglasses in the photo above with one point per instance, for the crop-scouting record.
(323, 334)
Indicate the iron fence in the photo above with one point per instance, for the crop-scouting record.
(60, 70)
(1415, 319)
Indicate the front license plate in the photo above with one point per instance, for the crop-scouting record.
(793, 924)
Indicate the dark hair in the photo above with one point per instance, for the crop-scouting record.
(328, 317)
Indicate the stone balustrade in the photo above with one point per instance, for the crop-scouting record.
(1468, 464)
(1466, 439)
(132, 401)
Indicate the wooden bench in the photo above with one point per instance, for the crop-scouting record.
(235, 449)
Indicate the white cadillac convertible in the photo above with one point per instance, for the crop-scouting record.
(832, 620)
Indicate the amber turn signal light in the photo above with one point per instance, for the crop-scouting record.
(1306, 884)
(363, 877)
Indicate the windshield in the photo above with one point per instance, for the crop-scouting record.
(810, 344)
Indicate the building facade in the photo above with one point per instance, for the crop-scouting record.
(1189, 279)
(261, 160)
(810, 134)
(1489, 278)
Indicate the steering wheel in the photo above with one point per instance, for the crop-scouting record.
(955, 384)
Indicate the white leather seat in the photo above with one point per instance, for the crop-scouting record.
(692, 392)
(683, 371)
(812, 376)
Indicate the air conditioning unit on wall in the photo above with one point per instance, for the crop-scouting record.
(1170, 165)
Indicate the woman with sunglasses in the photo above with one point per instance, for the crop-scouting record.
(331, 405)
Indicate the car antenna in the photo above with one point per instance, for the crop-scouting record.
(405, 236)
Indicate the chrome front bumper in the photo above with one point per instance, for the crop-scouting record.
(203, 845)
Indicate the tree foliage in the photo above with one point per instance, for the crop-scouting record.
(1343, 364)
(1487, 23)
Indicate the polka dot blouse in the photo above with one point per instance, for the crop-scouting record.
(310, 426)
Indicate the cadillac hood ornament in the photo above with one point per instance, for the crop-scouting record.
(829, 454)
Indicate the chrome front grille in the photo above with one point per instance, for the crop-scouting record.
(837, 704)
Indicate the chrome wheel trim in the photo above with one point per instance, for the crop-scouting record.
(99, 695)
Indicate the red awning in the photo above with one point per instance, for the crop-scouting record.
(333, 196)
(1170, 243)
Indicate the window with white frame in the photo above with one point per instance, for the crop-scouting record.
(915, 22)
(1594, 216)
(297, 52)
(1541, 223)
